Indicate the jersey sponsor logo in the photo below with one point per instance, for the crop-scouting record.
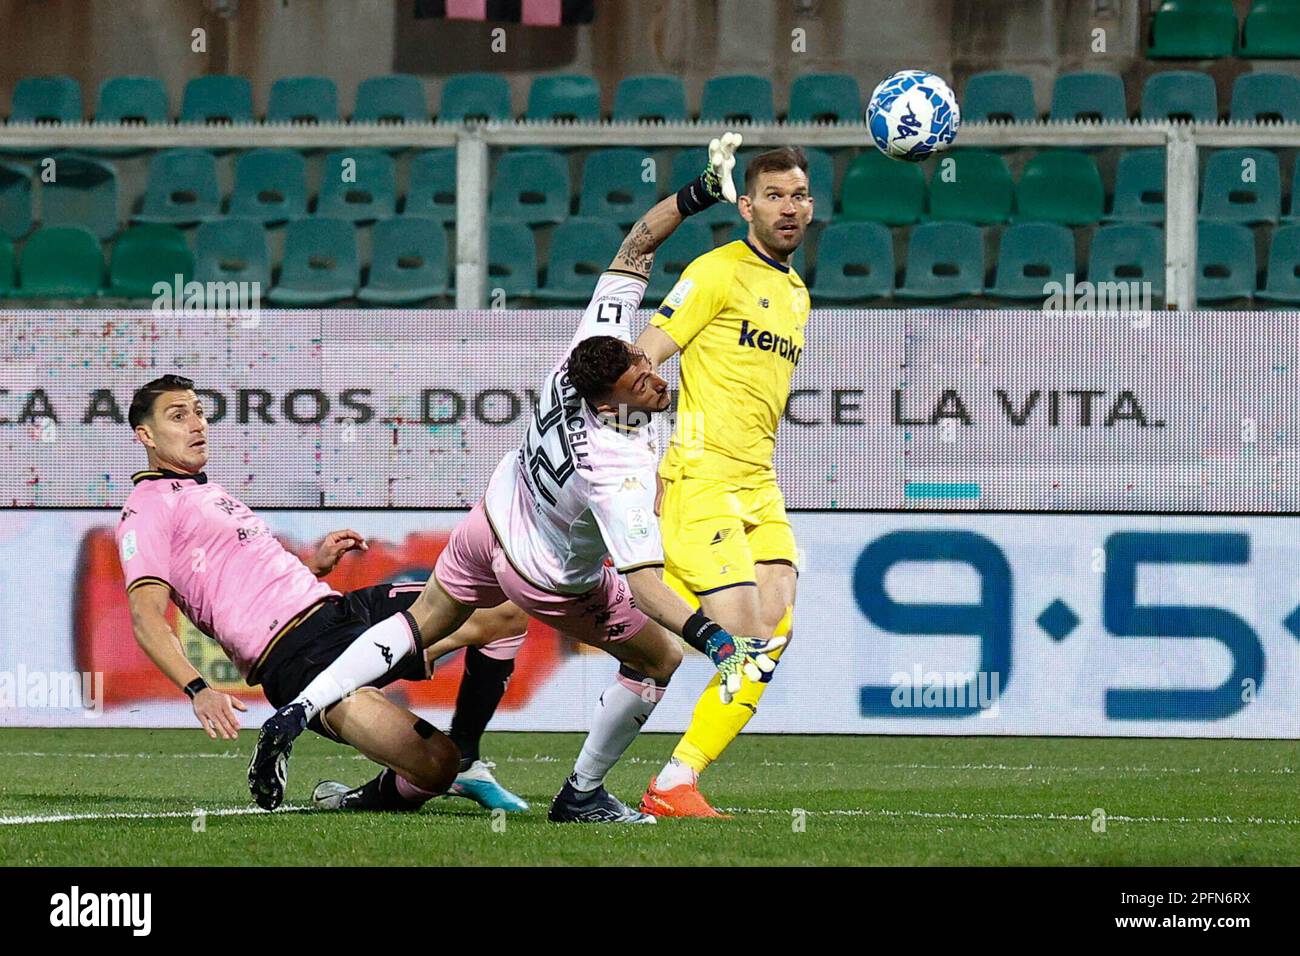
(638, 523)
(680, 291)
(128, 546)
(751, 336)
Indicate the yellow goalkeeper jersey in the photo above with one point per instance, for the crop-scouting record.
(738, 317)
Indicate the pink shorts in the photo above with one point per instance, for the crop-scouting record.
(474, 570)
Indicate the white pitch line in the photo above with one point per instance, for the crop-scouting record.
(1029, 817)
(146, 815)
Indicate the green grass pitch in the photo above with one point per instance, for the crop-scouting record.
(797, 800)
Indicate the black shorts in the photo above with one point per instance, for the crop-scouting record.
(315, 643)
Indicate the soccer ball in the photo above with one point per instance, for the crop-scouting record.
(912, 115)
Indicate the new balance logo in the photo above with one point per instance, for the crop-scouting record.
(386, 651)
(752, 337)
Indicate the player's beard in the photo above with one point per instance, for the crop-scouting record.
(778, 243)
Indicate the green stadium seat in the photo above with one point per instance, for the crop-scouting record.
(1265, 98)
(1031, 255)
(581, 249)
(62, 262)
(649, 99)
(182, 188)
(1061, 186)
(84, 193)
(821, 182)
(998, 96)
(1186, 95)
(1225, 261)
(825, 98)
(879, 189)
(688, 242)
(687, 164)
(398, 98)
(1128, 252)
(15, 200)
(8, 267)
(146, 255)
(270, 186)
(1272, 30)
(1193, 30)
(217, 99)
(945, 260)
(512, 259)
(408, 263)
(797, 261)
(1282, 282)
(855, 261)
(971, 185)
(1293, 214)
(232, 250)
(132, 99)
(1228, 195)
(46, 99)
(613, 186)
(1139, 186)
(531, 186)
(319, 265)
(303, 99)
(431, 186)
(474, 96)
(1088, 96)
(742, 98)
(574, 98)
(369, 193)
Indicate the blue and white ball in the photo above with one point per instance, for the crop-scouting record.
(913, 115)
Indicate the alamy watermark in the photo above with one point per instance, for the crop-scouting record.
(234, 300)
(946, 690)
(23, 689)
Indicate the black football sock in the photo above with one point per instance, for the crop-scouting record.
(380, 794)
(481, 688)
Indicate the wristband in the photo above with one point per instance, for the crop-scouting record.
(193, 687)
(694, 197)
(698, 629)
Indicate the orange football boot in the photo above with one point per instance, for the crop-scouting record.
(684, 800)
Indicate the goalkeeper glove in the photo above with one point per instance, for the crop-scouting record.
(714, 184)
(734, 657)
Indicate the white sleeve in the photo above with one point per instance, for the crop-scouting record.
(624, 509)
(615, 301)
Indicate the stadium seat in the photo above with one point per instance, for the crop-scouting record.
(1282, 283)
(689, 163)
(146, 255)
(999, 96)
(855, 261)
(688, 242)
(1128, 252)
(1061, 186)
(879, 189)
(83, 193)
(431, 186)
(15, 200)
(46, 99)
(742, 98)
(319, 265)
(1242, 185)
(217, 99)
(1265, 98)
(1293, 214)
(472, 96)
(409, 262)
(512, 259)
(1139, 186)
(132, 99)
(581, 249)
(572, 98)
(648, 99)
(182, 187)
(945, 260)
(971, 185)
(62, 262)
(232, 250)
(1225, 261)
(613, 185)
(270, 186)
(1088, 96)
(531, 186)
(1193, 30)
(368, 192)
(8, 268)
(1271, 30)
(398, 98)
(1186, 95)
(821, 182)
(1031, 255)
(825, 98)
(797, 261)
(303, 99)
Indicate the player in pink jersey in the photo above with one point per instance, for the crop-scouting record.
(185, 538)
(577, 496)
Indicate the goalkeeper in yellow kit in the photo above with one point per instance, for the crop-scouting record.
(737, 315)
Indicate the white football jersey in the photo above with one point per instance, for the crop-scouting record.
(580, 488)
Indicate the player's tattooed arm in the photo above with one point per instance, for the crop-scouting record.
(637, 254)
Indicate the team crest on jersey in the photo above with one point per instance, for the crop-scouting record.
(680, 291)
(128, 546)
(638, 523)
(799, 300)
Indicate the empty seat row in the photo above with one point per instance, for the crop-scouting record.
(1205, 29)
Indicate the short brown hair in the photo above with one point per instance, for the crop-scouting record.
(144, 397)
(774, 161)
(596, 363)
